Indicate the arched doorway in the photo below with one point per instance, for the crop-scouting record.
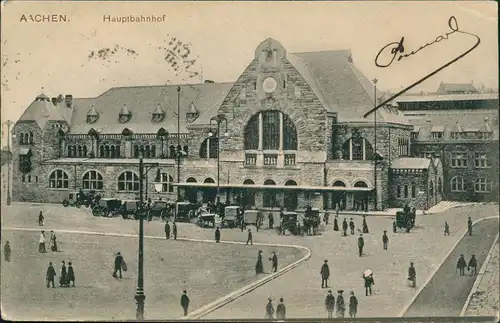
(248, 198)
(269, 195)
(290, 197)
(191, 191)
(209, 193)
(339, 196)
(360, 201)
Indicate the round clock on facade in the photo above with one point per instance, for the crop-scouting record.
(269, 85)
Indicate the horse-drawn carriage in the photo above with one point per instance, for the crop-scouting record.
(106, 207)
(129, 209)
(182, 211)
(311, 221)
(291, 221)
(206, 220)
(253, 217)
(158, 208)
(231, 217)
(80, 198)
(405, 220)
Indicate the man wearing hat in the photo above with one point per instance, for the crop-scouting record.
(259, 267)
(185, 302)
(412, 275)
(352, 226)
(217, 235)
(49, 276)
(118, 265)
(361, 244)
(7, 251)
(41, 242)
(330, 304)
(71, 274)
(249, 239)
(274, 259)
(385, 240)
(340, 304)
(167, 230)
(269, 309)
(353, 305)
(461, 264)
(472, 267)
(281, 310)
(325, 274)
(344, 227)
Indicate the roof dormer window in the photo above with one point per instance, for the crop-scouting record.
(158, 114)
(92, 115)
(436, 135)
(124, 115)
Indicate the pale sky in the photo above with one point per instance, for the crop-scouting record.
(224, 36)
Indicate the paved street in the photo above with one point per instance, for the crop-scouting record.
(447, 292)
(485, 301)
(426, 246)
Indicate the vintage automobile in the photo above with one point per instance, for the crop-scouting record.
(80, 198)
(158, 208)
(129, 209)
(231, 215)
(106, 207)
(403, 219)
(206, 220)
(311, 221)
(182, 211)
(291, 221)
(253, 217)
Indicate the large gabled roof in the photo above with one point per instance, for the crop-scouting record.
(43, 110)
(445, 88)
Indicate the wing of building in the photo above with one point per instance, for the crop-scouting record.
(289, 132)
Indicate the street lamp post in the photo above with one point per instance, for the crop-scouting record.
(219, 119)
(8, 123)
(139, 294)
(375, 81)
(178, 150)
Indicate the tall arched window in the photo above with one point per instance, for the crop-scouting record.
(208, 148)
(413, 191)
(117, 151)
(248, 194)
(128, 181)
(58, 179)
(84, 151)
(209, 193)
(269, 195)
(191, 194)
(101, 151)
(171, 151)
(186, 149)
(457, 184)
(166, 181)
(80, 151)
(106, 151)
(69, 150)
(112, 148)
(290, 197)
(270, 130)
(92, 180)
(357, 148)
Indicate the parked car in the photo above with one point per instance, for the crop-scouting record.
(129, 209)
(231, 215)
(291, 222)
(158, 208)
(206, 220)
(182, 211)
(253, 217)
(106, 207)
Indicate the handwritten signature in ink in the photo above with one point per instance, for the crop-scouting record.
(392, 50)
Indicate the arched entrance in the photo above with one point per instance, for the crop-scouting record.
(269, 195)
(360, 201)
(290, 197)
(339, 196)
(209, 193)
(248, 197)
(191, 191)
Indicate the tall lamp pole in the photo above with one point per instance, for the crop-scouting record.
(8, 123)
(139, 294)
(178, 150)
(375, 81)
(219, 119)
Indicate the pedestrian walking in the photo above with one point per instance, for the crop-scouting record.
(365, 225)
(274, 259)
(269, 309)
(64, 275)
(344, 227)
(41, 243)
(469, 226)
(325, 274)
(361, 244)
(259, 266)
(167, 230)
(271, 220)
(326, 217)
(281, 310)
(385, 240)
(174, 230)
(185, 302)
(412, 275)
(340, 304)
(40, 219)
(118, 265)
(50, 275)
(71, 274)
(330, 304)
(336, 223)
(249, 239)
(446, 229)
(461, 264)
(394, 226)
(472, 267)
(6, 251)
(369, 282)
(352, 226)
(353, 305)
(217, 235)
(53, 241)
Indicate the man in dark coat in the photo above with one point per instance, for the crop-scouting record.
(325, 274)
(352, 226)
(40, 219)
(446, 229)
(185, 302)
(385, 240)
(269, 309)
(71, 274)
(7, 251)
(336, 223)
(344, 227)
(472, 267)
(167, 230)
(259, 266)
(365, 225)
(271, 220)
(217, 235)
(249, 239)
(118, 265)
(361, 244)
(369, 281)
(461, 264)
(353, 305)
(281, 310)
(394, 226)
(64, 275)
(330, 304)
(174, 230)
(326, 217)
(274, 259)
(469, 226)
(340, 304)
(412, 275)
(51, 274)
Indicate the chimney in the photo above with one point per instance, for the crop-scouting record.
(69, 100)
(208, 81)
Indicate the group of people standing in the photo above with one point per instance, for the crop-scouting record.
(330, 304)
(52, 242)
(66, 278)
(280, 309)
(259, 266)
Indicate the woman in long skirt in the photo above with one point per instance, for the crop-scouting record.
(335, 224)
(53, 241)
(64, 276)
(259, 267)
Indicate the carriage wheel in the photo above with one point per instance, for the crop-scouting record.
(96, 211)
(77, 204)
(105, 212)
(65, 203)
